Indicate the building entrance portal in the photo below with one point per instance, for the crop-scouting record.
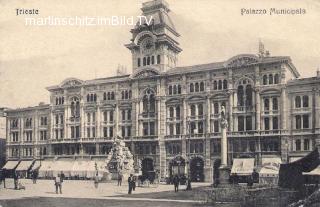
(148, 169)
(197, 170)
(177, 167)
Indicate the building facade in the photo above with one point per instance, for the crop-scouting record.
(169, 116)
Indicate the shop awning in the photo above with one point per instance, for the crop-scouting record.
(270, 167)
(313, 172)
(24, 165)
(242, 166)
(36, 165)
(10, 165)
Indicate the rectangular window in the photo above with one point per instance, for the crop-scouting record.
(178, 129)
(249, 123)
(129, 131)
(88, 132)
(266, 124)
(123, 131)
(111, 116)
(305, 121)
(298, 122)
(275, 122)
(93, 132)
(57, 133)
(129, 114)
(306, 144)
(77, 131)
(105, 132)
(298, 145)
(61, 133)
(240, 123)
(152, 128)
(111, 132)
(171, 129)
(72, 132)
(145, 128)
(216, 126)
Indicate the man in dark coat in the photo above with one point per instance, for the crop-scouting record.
(3, 178)
(15, 180)
(176, 183)
(130, 184)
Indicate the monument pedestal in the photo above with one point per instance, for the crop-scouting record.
(224, 175)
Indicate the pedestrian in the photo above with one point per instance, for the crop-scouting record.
(34, 176)
(188, 184)
(3, 178)
(120, 177)
(134, 183)
(130, 184)
(15, 180)
(176, 183)
(58, 183)
(96, 180)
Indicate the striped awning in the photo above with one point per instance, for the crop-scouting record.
(10, 165)
(24, 165)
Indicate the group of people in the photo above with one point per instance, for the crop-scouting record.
(176, 182)
(131, 183)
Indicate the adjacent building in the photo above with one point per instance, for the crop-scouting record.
(168, 115)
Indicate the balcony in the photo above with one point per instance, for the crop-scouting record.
(195, 118)
(243, 109)
(74, 119)
(196, 136)
(65, 140)
(302, 131)
(270, 132)
(146, 137)
(147, 115)
(173, 137)
(174, 119)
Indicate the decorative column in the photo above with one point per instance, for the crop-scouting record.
(258, 110)
(224, 170)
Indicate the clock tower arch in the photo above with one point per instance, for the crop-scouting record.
(154, 40)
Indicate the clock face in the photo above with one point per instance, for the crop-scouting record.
(147, 45)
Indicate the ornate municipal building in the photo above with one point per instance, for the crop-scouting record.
(169, 116)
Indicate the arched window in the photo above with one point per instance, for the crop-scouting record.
(298, 102)
(249, 95)
(266, 104)
(174, 89)
(220, 85)
(225, 84)
(240, 96)
(275, 122)
(196, 87)
(62, 100)
(152, 60)
(274, 103)
(276, 79)
(77, 109)
(170, 90)
(112, 95)
(201, 86)
(171, 112)
(305, 101)
(193, 110)
(149, 102)
(109, 96)
(104, 96)
(126, 95)
(139, 62)
(148, 60)
(200, 110)
(191, 87)
(200, 147)
(57, 101)
(88, 98)
(91, 97)
(179, 89)
(95, 97)
(130, 94)
(265, 80)
(270, 79)
(215, 85)
(216, 108)
(123, 114)
(144, 61)
(122, 94)
(152, 103)
(158, 59)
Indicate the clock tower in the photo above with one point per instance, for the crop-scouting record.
(154, 45)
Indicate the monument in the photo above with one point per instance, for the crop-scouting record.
(119, 160)
(224, 170)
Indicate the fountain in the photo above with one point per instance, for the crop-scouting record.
(119, 160)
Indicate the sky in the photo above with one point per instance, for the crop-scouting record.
(35, 57)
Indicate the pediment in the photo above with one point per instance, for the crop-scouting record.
(71, 82)
(145, 73)
(241, 60)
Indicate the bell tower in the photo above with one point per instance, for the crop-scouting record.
(154, 43)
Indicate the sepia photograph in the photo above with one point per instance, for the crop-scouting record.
(164, 103)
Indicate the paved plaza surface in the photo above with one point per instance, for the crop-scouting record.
(83, 193)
